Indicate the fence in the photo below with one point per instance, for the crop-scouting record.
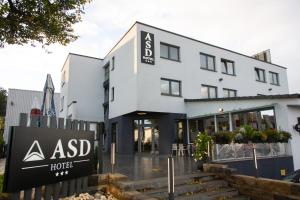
(61, 189)
(244, 151)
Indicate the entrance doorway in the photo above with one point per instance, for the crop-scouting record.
(146, 136)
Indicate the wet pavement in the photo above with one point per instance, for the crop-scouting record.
(144, 166)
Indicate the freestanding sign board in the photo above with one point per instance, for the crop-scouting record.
(147, 48)
(41, 156)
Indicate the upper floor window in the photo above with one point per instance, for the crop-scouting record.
(112, 94)
(112, 63)
(63, 79)
(106, 73)
(169, 51)
(170, 87)
(227, 67)
(207, 62)
(260, 75)
(208, 91)
(274, 78)
(229, 93)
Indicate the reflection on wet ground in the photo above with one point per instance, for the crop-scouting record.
(144, 166)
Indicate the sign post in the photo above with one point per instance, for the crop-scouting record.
(113, 156)
(171, 177)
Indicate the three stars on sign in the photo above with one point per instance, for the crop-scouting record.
(62, 173)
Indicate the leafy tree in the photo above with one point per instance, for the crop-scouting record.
(43, 21)
(3, 98)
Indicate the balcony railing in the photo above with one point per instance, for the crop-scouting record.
(233, 152)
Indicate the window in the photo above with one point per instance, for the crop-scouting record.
(260, 75)
(169, 51)
(63, 79)
(106, 72)
(274, 78)
(170, 87)
(229, 93)
(209, 91)
(112, 94)
(207, 62)
(227, 67)
(112, 63)
(62, 101)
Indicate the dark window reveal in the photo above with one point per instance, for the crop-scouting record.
(207, 62)
(170, 87)
(227, 67)
(260, 75)
(169, 51)
(274, 78)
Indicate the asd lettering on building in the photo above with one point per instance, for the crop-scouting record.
(147, 48)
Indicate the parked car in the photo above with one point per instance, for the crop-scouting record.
(293, 177)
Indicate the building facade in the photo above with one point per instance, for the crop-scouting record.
(153, 84)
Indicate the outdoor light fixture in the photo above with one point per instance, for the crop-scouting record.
(221, 110)
(270, 89)
(220, 79)
(141, 113)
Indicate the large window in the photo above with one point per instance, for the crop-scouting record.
(170, 87)
(260, 75)
(169, 51)
(274, 78)
(207, 62)
(229, 93)
(227, 67)
(208, 91)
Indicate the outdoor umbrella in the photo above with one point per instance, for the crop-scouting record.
(48, 106)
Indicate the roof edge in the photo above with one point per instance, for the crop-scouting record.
(207, 43)
(279, 96)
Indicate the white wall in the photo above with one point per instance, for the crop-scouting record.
(124, 76)
(188, 71)
(84, 79)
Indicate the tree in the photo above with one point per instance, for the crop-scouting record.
(3, 98)
(43, 21)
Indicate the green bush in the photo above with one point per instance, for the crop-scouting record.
(201, 146)
(223, 137)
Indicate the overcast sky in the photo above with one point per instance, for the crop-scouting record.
(245, 26)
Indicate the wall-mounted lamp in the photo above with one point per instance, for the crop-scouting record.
(220, 79)
(270, 89)
(221, 110)
(141, 113)
(12, 103)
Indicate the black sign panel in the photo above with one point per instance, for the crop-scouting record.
(147, 48)
(41, 156)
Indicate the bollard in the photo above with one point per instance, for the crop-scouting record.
(171, 177)
(112, 156)
(255, 160)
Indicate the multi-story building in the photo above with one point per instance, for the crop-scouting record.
(155, 88)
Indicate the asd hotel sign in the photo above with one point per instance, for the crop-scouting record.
(147, 48)
(39, 156)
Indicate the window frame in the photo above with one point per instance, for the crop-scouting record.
(113, 63)
(169, 55)
(225, 61)
(208, 91)
(112, 98)
(277, 76)
(206, 56)
(170, 87)
(228, 91)
(264, 72)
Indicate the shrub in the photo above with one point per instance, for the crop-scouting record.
(284, 136)
(201, 146)
(223, 137)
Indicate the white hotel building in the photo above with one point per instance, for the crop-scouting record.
(155, 88)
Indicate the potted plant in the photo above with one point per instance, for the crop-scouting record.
(223, 137)
(202, 142)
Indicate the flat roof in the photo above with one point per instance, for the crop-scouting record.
(278, 96)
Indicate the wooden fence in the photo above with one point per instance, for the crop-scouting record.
(61, 189)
